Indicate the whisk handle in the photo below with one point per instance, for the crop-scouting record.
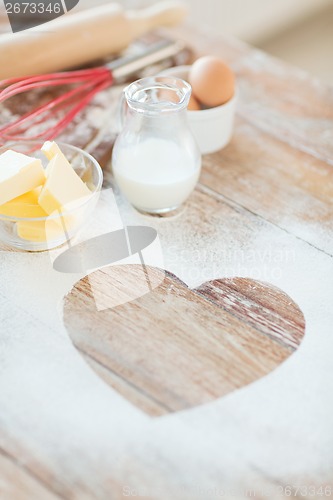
(79, 38)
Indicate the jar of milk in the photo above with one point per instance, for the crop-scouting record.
(156, 161)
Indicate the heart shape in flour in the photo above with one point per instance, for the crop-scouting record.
(175, 348)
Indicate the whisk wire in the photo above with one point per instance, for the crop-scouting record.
(77, 75)
(47, 107)
(58, 112)
(87, 84)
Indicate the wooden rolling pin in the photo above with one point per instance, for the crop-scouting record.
(80, 38)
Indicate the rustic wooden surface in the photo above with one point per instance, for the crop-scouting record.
(215, 339)
(262, 211)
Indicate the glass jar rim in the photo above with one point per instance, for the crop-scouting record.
(178, 86)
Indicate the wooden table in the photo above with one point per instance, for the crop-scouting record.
(198, 390)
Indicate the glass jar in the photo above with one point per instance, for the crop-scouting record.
(156, 161)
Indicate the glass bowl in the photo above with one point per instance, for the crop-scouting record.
(44, 233)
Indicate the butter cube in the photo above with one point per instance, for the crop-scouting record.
(25, 205)
(47, 230)
(18, 175)
(62, 187)
(50, 149)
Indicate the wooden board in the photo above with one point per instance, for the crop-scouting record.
(19, 483)
(279, 164)
(273, 181)
(176, 348)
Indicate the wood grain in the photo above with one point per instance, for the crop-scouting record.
(279, 163)
(175, 348)
(289, 188)
(260, 305)
(19, 483)
(274, 96)
(277, 170)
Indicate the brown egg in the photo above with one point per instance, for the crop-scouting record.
(213, 82)
(194, 104)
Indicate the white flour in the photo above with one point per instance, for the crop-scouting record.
(67, 418)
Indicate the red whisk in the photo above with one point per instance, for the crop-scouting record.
(84, 85)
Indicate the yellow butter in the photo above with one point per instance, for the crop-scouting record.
(25, 205)
(50, 149)
(19, 174)
(63, 186)
(48, 230)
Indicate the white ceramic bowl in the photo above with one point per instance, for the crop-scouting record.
(212, 127)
